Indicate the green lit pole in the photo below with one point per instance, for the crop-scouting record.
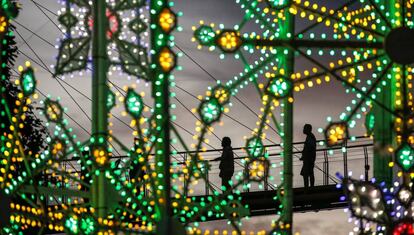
(287, 62)
(99, 97)
(383, 132)
(160, 75)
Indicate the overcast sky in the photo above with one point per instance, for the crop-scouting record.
(311, 106)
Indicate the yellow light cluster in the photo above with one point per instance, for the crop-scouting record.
(25, 222)
(27, 209)
(101, 156)
(229, 40)
(166, 60)
(167, 20)
(336, 134)
(3, 24)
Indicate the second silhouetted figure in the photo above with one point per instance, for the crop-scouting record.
(226, 163)
(308, 156)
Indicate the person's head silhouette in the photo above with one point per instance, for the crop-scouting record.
(307, 129)
(226, 142)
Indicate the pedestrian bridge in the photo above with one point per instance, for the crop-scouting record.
(259, 198)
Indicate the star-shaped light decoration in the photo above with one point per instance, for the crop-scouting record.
(125, 47)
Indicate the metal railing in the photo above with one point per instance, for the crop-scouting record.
(328, 161)
(355, 155)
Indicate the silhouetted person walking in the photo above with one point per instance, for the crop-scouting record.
(226, 163)
(308, 156)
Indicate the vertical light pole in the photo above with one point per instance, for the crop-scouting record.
(383, 132)
(99, 109)
(287, 62)
(163, 21)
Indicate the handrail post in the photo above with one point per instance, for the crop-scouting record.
(206, 171)
(246, 177)
(345, 156)
(325, 168)
(266, 176)
(366, 163)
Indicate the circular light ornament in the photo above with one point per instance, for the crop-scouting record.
(100, 154)
(134, 104)
(205, 35)
(88, 225)
(167, 20)
(405, 156)
(53, 111)
(258, 169)
(71, 225)
(57, 148)
(229, 41)
(278, 4)
(166, 59)
(254, 147)
(28, 82)
(210, 111)
(336, 134)
(222, 94)
(279, 87)
(399, 45)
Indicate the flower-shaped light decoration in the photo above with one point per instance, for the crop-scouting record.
(210, 110)
(254, 147)
(258, 169)
(405, 157)
(279, 87)
(125, 47)
(336, 134)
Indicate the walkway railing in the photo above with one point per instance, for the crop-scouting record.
(354, 155)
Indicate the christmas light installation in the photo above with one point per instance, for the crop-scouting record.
(371, 65)
(139, 188)
(358, 39)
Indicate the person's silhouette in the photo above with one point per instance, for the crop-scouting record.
(226, 163)
(308, 156)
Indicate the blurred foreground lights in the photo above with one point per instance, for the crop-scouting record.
(405, 196)
(403, 228)
(366, 201)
